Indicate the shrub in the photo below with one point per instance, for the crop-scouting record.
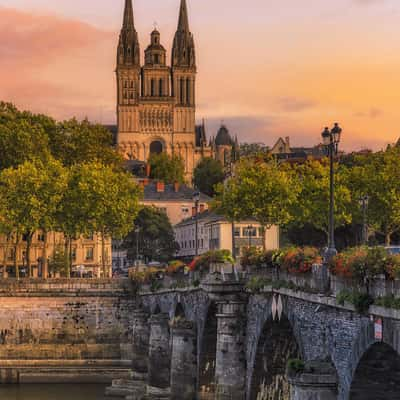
(252, 257)
(299, 260)
(364, 264)
(211, 257)
(175, 267)
(360, 301)
(257, 283)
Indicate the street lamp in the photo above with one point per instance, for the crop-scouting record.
(364, 200)
(196, 199)
(331, 140)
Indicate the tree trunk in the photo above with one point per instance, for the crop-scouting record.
(8, 238)
(264, 236)
(16, 243)
(66, 253)
(388, 238)
(45, 264)
(28, 253)
(233, 242)
(103, 255)
(70, 258)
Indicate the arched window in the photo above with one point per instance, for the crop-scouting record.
(160, 87)
(131, 84)
(126, 84)
(153, 87)
(182, 92)
(188, 100)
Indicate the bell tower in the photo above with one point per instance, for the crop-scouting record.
(128, 74)
(184, 74)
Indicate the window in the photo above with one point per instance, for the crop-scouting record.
(131, 84)
(73, 254)
(156, 59)
(40, 237)
(182, 92)
(261, 232)
(89, 254)
(153, 87)
(188, 91)
(160, 87)
(237, 232)
(10, 254)
(126, 84)
(252, 232)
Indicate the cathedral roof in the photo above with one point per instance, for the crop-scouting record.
(223, 137)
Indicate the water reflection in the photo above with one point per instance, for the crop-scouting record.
(52, 392)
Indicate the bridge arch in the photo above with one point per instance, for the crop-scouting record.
(377, 376)
(179, 311)
(276, 345)
(207, 355)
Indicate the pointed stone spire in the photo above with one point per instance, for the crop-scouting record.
(183, 50)
(183, 24)
(128, 16)
(128, 47)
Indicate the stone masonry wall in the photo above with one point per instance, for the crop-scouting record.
(50, 325)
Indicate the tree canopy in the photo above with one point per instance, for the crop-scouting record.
(156, 236)
(207, 175)
(168, 169)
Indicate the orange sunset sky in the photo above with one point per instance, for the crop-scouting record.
(267, 68)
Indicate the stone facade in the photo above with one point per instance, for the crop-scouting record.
(156, 103)
(65, 331)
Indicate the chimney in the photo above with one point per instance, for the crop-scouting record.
(202, 208)
(160, 186)
(176, 187)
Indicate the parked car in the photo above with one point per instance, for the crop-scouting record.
(393, 249)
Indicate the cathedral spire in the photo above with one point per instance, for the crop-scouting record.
(183, 50)
(128, 48)
(183, 24)
(128, 16)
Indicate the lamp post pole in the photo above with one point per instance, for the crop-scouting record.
(196, 198)
(331, 140)
(249, 231)
(137, 230)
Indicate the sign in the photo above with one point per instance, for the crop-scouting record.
(378, 329)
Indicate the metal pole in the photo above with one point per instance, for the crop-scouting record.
(137, 245)
(197, 228)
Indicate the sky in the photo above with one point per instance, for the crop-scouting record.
(266, 68)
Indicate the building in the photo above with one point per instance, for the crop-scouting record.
(214, 232)
(86, 254)
(175, 200)
(156, 103)
(284, 151)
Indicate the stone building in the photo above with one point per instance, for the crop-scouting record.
(157, 102)
(214, 232)
(86, 253)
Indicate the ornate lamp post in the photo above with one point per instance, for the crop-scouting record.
(196, 199)
(137, 231)
(364, 200)
(331, 140)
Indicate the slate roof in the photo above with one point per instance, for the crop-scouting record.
(185, 193)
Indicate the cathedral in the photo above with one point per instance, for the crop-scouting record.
(156, 102)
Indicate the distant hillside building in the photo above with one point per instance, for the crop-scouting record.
(283, 151)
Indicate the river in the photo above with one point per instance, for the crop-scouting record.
(52, 392)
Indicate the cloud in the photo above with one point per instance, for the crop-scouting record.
(49, 63)
(294, 104)
(372, 113)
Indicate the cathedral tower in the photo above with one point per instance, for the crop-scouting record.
(156, 102)
(128, 74)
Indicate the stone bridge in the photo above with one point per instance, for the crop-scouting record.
(219, 341)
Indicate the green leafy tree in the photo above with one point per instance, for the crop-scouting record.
(155, 234)
(207, 175)
(30, 195)
(22, 137)
(167, 168)
(378, 176)
(99, 200)
(76, 142)
(262, 190)
(312, 207)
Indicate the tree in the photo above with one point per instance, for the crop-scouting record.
(262, 190)
(207, 175)
(252, 150)
(22, 137)
(169, 169)
(76, 142)
(155, 234)
(312, 207)
(99, 200)
(378, 176)
(30, 195)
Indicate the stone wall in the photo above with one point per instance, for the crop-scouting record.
(65, 330)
